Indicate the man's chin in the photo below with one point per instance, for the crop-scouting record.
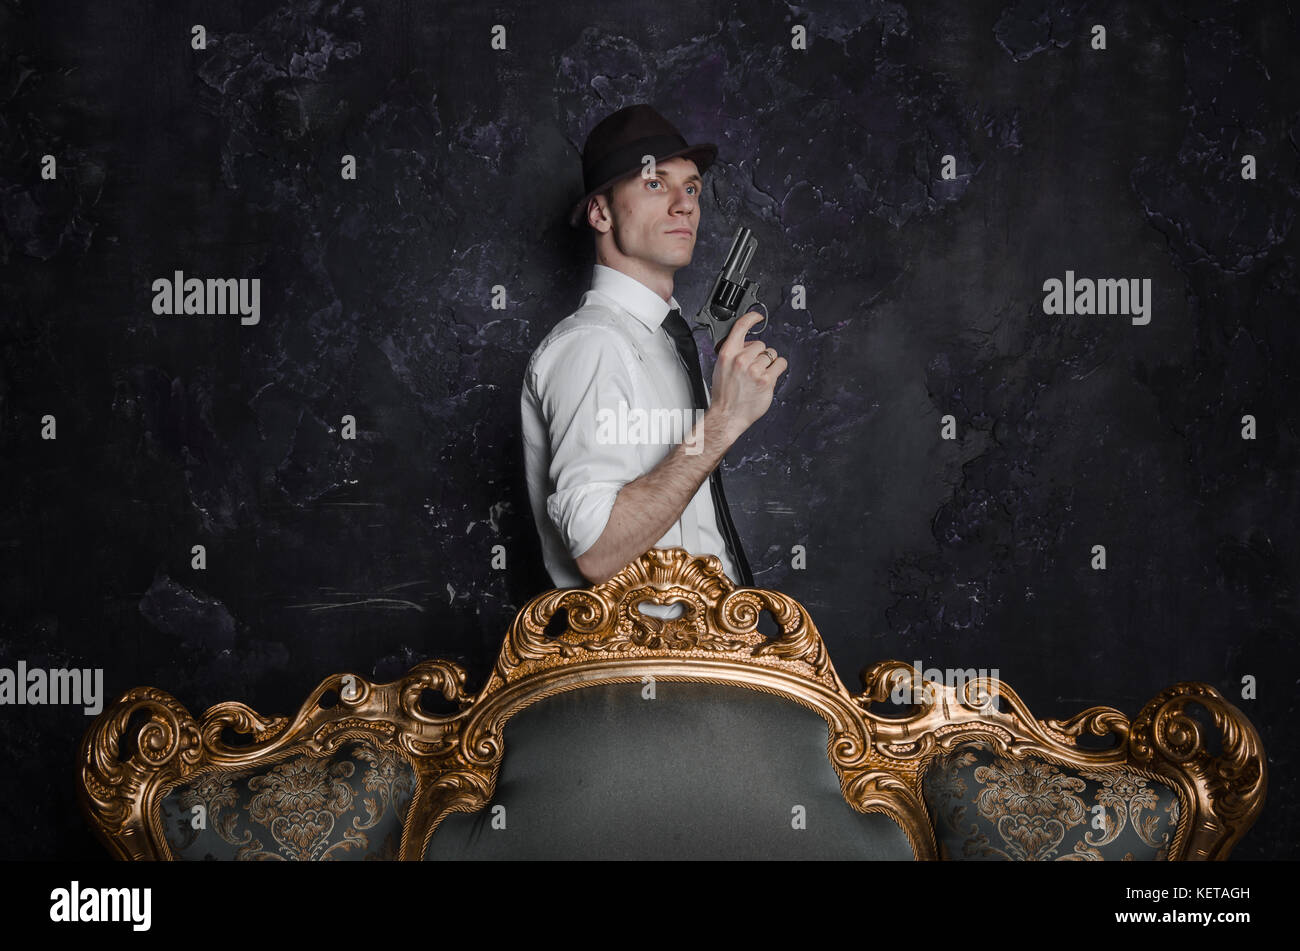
(675, 258)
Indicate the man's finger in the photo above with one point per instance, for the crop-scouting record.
(740, 328)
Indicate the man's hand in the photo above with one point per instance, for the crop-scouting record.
(744, 376)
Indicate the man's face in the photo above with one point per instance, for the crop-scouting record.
(654, 220)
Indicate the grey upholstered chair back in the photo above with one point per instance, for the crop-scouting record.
(683, 771)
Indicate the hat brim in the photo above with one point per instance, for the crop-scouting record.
(703, 155)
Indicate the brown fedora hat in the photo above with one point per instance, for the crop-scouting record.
(615, 146)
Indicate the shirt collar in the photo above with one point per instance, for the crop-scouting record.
(632, 296)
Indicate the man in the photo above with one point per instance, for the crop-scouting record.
(599, 505)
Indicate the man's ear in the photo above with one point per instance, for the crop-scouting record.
(599, 216)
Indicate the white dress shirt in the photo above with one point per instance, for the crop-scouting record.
(612, 349)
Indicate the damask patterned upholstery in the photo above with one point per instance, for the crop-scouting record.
(348, 806)
(989, 807)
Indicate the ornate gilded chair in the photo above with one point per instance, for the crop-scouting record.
(628, 736)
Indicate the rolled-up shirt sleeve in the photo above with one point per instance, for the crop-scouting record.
(583, 374)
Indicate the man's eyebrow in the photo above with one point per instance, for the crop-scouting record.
(693, 177)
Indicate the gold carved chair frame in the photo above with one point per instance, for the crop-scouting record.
(147, 744)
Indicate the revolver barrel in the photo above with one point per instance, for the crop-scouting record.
(742, 249)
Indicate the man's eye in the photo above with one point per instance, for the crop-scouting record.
(694, 189)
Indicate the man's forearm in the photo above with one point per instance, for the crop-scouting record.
(647, 507)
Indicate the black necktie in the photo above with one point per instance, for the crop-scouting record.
(690, 356)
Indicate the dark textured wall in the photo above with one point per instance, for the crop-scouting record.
(925, 298)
